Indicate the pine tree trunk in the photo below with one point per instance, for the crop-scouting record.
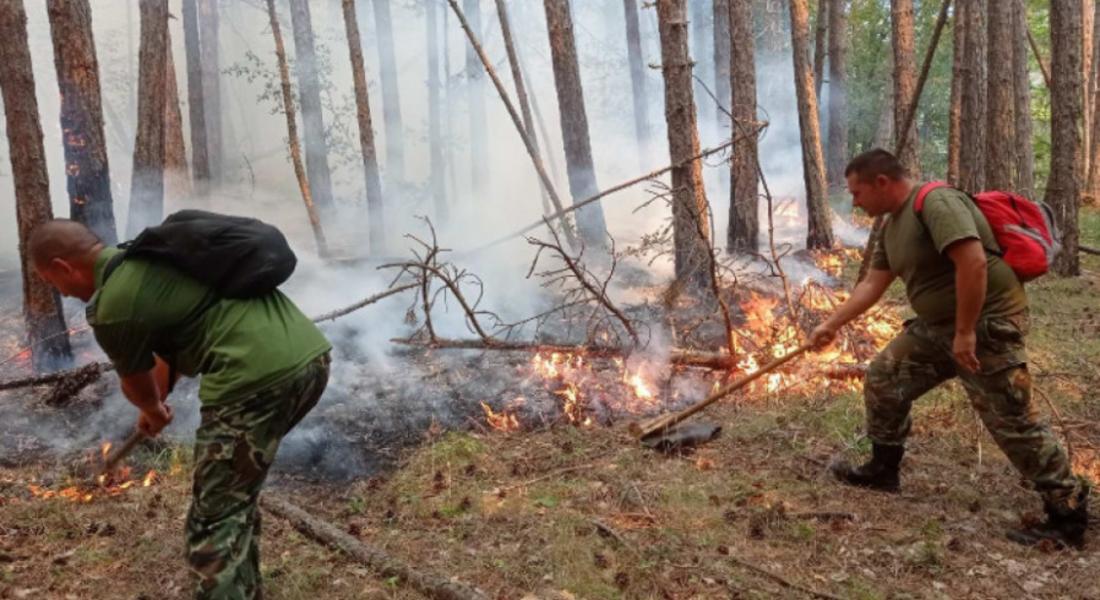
(884, 131)
(475, 94)
(1000, 118)
(821, 37)
(972, 139)
(391, 97)
(147, 183)
(819, 231)
(722, 77)
(574, 123)
(838, 93)
(1021, 83)
(1092, 187)
(437, 166)
(177, 180)
(309, 97)
(45, 323)
(86, 165)
(905, 82)
(1088, 8)
(744, 220)
(954, 132)
(211, 87)
(690, 217)
(1063, 185)
(371, 176)
(200, 159)
(773, 40)
(699, 17)
(637, 77)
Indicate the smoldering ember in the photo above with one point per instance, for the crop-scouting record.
(549, 299)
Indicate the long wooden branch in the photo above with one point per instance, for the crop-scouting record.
(330, 316)
(432, 585)
(1088, 250)
(1043, 68)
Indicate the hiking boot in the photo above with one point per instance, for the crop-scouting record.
(880, 473)
(1064, 526)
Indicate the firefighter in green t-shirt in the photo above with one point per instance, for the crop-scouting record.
(263, 366)
(971, 322)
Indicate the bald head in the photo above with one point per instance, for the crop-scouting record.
(64, 253)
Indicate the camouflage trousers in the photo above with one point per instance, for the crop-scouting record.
(921, 358)
(234, 448)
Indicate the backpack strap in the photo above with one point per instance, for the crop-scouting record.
(922, 193)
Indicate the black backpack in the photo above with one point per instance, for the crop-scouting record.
(238, 257)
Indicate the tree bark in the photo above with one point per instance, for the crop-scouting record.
(1000, 120)
(838, 93)
(972, 133)
(1021, 87)
(45, 323)
(1063, 185)
(1092, 187)
(475, 94)
(86, 165)
(177, 181)
(821, 38)
(574, 122)
(211, 87)
(309, 96)
(637, 77)
(1088, 8)
(292, 132)
(391, 97)
(147, 183)
(200, 158)
(820, 231)
(699, 40)
(690, 217)
(954, 132)
(905, 82)
(744, 221)
(722, 77)
(371, 177)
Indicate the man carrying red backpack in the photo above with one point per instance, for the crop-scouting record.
(971, 321)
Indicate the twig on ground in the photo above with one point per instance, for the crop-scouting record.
(781, 580)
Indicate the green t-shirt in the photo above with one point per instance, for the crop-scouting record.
(912, 247)
(238, 346)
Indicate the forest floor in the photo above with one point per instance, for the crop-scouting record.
(567, 512)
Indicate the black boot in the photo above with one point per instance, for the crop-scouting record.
(880, 473)
(1064, 527)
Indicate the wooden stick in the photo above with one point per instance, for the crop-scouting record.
(426, 582)
(781, 580)
(332, 315)
(1038, 58)
(1088, 250)
(119, 453)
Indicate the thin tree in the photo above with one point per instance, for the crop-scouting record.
(574, 122)
(722, 60)
(1063, 192)
(958, 53)
(1088, 8)
(1000, 123)
(1092, 186)
(177, 180)
(147, 179)
(690, 215)
(699, 17)
(292, 132)
(475, 94)
(1021, 84)
(45, 323)
(838, 93)
(637, 77)
(820, 231)
(371, 176)
(196, 106)
(211, 86)
(744, 221)
(905, 82)
(391, 96)
(437, 166)
(972, 132)
(821, 38)
(309, 96)
(86, 165)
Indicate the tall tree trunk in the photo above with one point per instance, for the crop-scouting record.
(838, 93)
(45, 323)
(744, 220)
(371, 177)
(972, 139)
(1063, 186)
(292, 132)
(722, 78)
(475, 94)
(958, 53)
(1092, 187)
(1021, 86)
(147, 180)
(905, 82)
(86, 167)
(820, 229)
(177, 181)
(637, 77)
(821, 37)
(309, 97)
(699, 17)
(196, 105)
(1088, 8)
(437, 164)
(574, 122)
(773, 41)
(211, 86)
(391, 97)
(690, 217)
(1000, 120)
(884, 130)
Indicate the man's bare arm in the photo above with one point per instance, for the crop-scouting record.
(970, 288)
(865, 295)
(142, 391)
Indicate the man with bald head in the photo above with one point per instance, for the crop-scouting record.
(263, 366)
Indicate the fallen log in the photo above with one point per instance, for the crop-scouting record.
(430, 584)
(80, 373)
(1089, 250)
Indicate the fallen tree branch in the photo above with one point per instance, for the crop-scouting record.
(781, 580)
(430, 584)
(58, 377)
(1089, 250)
(333, 315)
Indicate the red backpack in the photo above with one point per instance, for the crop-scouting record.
(1024, 229)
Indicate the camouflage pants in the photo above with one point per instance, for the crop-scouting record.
(234, 448)
(921, 358)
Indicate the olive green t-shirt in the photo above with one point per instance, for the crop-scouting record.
(238, 346)
(912, 247)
